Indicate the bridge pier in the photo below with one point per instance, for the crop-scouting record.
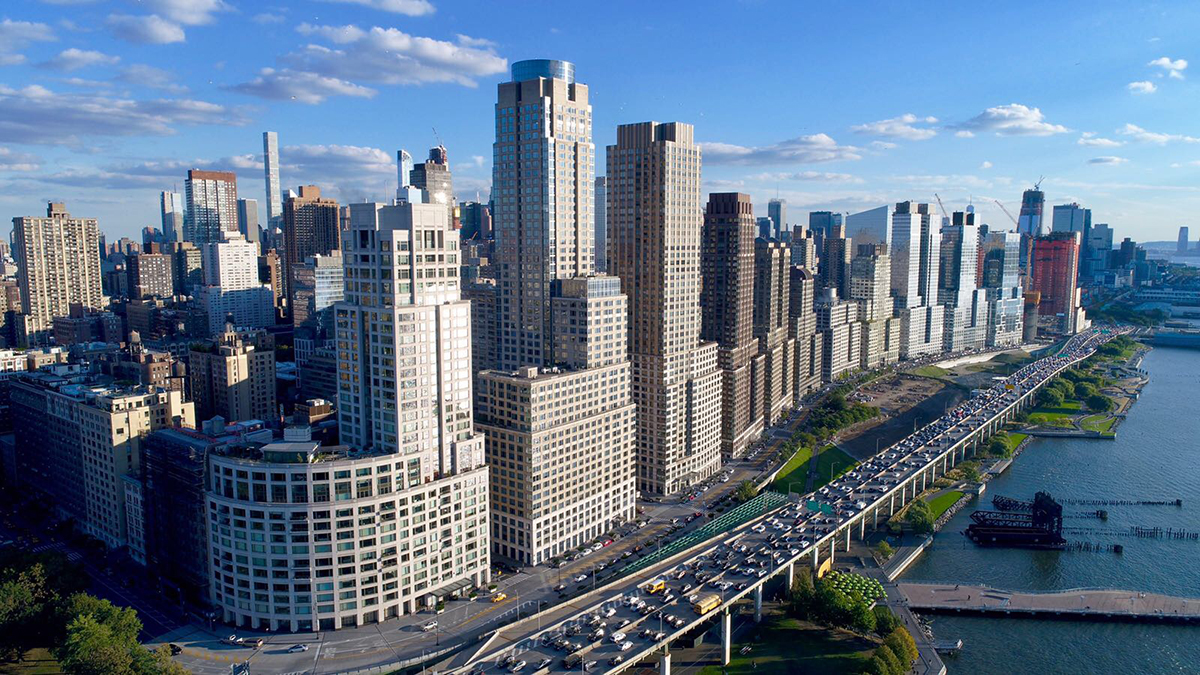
(832, 549)
(790, 574)
(664, 663)
(862, 526)
(726, 636)
(758, 603)
(816, 557)
(892, 505)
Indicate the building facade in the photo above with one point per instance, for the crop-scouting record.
(310, 227)
(58, 265)
(233, 375)
(211, 206)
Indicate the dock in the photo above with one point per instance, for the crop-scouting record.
(1080, 604)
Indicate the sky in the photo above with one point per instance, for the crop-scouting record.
(837, 106)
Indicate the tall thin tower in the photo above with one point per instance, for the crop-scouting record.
(271, 171)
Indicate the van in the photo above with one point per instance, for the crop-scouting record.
(572, 661)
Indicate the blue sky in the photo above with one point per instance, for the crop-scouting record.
(842, 106)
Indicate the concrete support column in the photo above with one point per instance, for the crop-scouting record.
(664, 663)
(816, 557)
(862, 527)
(848, 529)
(832, 549)
(789, 575)
(758, 603)
(726, 637)
(892, 505)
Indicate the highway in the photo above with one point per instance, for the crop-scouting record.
(622, 624)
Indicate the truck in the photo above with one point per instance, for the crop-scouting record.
(706, 603)
(572, 661)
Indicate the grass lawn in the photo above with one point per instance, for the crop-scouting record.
(34, 662)
(832, 463)
(1013, 440)
(930, 371)
(940, 503)
(791, 646)
(796, 469)
(1055, 417)
(1101, 423)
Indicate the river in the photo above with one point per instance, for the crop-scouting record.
(1156, 456)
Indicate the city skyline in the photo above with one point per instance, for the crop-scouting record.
(1109, 131)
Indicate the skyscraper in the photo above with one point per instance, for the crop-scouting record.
(271, 172)
(777, 212)
(1055, 274)
(311, 226)
(404, 167)
(916, 253)
(802, 328)
(171, 207)
(870, 286)
(1182, 245)
(432, 178)
(772, 282)
(231, 290)
(601, 218)
(965, 313)
(1029, 223)
(841, 333)
(654, 245)
(211, 206)
(58, 265)
(835, 261)
(1001, 279)
(248, 219)
(542, 176)
(727, 304)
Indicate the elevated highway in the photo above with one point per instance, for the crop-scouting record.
(735, 567)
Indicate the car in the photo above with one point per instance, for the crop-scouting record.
(543, 663)
(590, 665)
(175, 649)
(624, 623)
(499, 597)
(626, 646)
(296, 649)
(431, 625)
(580, 577)
(616, 660)
(617, 638)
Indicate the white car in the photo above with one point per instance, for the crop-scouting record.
(298, 648)
(626, 646)
(429, 626)
(618, 638)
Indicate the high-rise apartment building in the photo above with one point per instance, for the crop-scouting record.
(772, 297)
(311, 227)
(82, 436)
(601, 217)
(232, 292)
(804, 248)
(654, 233)
(1001, 279)
(802, 328)
(233, 375)
(248, 220)
(916, 257)
(1055, 274)
(58, 265)
(187, 267)
(271, 174)
(211, 206)
(151, 275)
(318, 284)
(777, 212)
(432, 178)
(543, 175)
(171, 212)
(870, 288)
(727, 306)
(966, 309)
(1182, 245)
(841, 334)
(835, 261)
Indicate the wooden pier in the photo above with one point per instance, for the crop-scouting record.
(1080, 604)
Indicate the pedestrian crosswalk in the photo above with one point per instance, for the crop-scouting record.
(58, 548)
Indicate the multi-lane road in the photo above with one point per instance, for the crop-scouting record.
(623, 623)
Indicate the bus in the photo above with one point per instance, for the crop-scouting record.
(706, 604)
(655, 586)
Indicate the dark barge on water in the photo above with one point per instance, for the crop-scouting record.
(1018, 524)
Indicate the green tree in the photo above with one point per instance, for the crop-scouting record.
(1051, 398)
(893, 661)
(877, 666)
(884, 550)
(901, 642)
(24, 596)
(745, 492)
(997, 447)
(886, 620)
(1084, 389)
(91, 648)
(861, 616)
(1099, 403)
(919, 517)
(122, 621)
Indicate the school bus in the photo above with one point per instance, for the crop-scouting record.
(655, 586)
(706, 604)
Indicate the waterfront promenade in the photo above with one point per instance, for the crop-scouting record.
(1085, 603)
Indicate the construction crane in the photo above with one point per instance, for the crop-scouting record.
(1010, 216)
(1038, 185)
(941, 206)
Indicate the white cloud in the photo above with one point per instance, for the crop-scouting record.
(11, 160)
(267, 18)
(1140, 134)
(187, 12)
(883, 145)
(301, 86)
(959, 181)
(407, 7)
(809, 149)
(1174, 68)
(1143, 87)
(15, 35)
(474, 162)
(390, 56)
(1110, 160)
(964, 134)
(1090, 139)
(148, 30)
(36, 115)
(74, 59)
(899, 127)
(816, 176)
(985, 164)
(140, 74)
(1013, 119)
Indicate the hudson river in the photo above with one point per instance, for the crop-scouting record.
(1156, 457)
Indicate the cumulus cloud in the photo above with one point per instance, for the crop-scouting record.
(1139, 134)
(964, 134)
(1143, 87)
(11, 160)
(16, 35)
(140, 74)
(407, 7)
(74, 59)
(147, 30)
(1013, 119)
(809, 149)
(301, 86)
(899, 127)
(187, 12)
(1090, 139)
(1110, 160)
(37, 115)
(1174, 67)
(815, 176)
(985, 164)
